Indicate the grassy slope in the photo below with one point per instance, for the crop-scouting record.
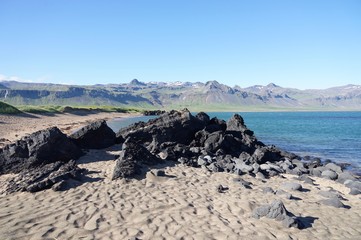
(8, 109)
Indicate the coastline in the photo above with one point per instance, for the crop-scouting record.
(184, 203)
(13, 127)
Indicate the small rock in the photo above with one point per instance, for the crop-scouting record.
(213, 167)
(329, 194)
(344, 176)
(201, 162)
(221, 188)
(333, 167)
(306, 179)
(264, 166)
(291, 186)
(245, 184)
(283, 193)
(353, 184)
(334, 202)
(276, 210)
(158, 172)
(260, 175)
(255, 168)
(290, 222)
(329, 174)
(261, 211)
(268, 190)
(354, 191)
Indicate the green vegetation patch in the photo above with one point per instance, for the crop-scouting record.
(43, 109)
(8, 109)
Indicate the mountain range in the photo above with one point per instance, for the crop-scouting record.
(209, 96)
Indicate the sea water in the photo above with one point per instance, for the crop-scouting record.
(328, 135)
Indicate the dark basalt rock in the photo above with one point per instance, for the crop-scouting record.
(277, 210)
(96, 135)
(179, 127)
(38, 149)
(231, 146)
(293, 186)
(333, 202)
(45, 177)
(131, 160)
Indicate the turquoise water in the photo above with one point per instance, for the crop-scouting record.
(327, 135)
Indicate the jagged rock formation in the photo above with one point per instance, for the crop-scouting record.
(41, 160)
(277, 210)
(96, 135)
(37, 149)
(44, 177)
(131, 160)
(201, 141)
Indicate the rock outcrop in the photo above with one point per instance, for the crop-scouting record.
(44, 177)
(277, 210)
(41, 160)
(131, 160)
(38, 149)
(96, 135)
(201, 141)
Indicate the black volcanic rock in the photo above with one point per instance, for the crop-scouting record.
(37, 149)
(96, 135)
(227, 146)
(131, 160)
(44, 177)
(175, 126)
(277, 210)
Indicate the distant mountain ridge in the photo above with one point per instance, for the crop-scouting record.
(209, 96)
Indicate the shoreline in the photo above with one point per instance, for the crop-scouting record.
(14, 127)
(184, 203)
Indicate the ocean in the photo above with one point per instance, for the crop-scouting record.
(334, 136)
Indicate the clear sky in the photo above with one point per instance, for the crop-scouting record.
(293, 43)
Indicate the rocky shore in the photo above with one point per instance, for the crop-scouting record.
(146, 151)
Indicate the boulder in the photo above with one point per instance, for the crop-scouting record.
(283, 193)
(131, 159)
(38, 149)
(333, 167)
(276, 210)
(354, 191)
(333, 202)
(344, 176)
(306, 179)
(291, 186)
(330, 194)
(329, 174)
(241, 167)
(353, 184)
(46, 176)
(174, 126)
(158, 172)
(96, 135)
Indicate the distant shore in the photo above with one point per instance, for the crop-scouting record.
(13, 127)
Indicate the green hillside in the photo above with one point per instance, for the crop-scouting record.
(8, 109)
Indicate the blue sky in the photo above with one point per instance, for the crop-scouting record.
(302, 44)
